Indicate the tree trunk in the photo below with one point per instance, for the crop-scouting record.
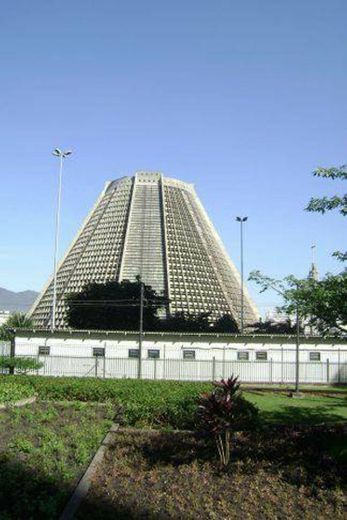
(227, 447)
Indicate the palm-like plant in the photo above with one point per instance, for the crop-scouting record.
(17, 320)
(222, 411)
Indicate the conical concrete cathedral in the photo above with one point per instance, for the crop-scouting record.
(155, 227)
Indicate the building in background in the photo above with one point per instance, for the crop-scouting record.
(155, 227)
(254, 358)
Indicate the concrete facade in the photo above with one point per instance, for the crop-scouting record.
(155, 227)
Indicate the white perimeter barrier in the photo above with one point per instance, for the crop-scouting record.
(192, 370)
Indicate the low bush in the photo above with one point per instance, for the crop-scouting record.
(44, 450)
(173, 404)
(144, 403)
(12, 391)
(224, 411)
(21, 364)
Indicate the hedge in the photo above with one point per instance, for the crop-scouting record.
(141, 403)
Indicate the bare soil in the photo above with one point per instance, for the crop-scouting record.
(279, 473)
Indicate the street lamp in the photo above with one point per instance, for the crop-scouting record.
(62, 155)
(241, 220)
(142, 294)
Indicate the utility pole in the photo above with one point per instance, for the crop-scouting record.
(274, 286)
(241, 220)
(139, 371)
(62, 155)
(297, 352)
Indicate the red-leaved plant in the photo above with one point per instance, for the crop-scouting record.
(222, 411)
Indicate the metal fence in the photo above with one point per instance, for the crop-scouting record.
(192, 370)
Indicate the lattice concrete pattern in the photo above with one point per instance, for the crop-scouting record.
(156, 227)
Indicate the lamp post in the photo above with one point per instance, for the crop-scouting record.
(139, 367)
(297, 353)
(242, 220)
(62, 155)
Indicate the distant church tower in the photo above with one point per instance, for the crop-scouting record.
(313, 273)
(156, 227)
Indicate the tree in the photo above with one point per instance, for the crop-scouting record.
(113, 306)
(321, 205)
(17, 320)
(186, 322)
(274, 327)
(225, 323)
(21, 365)
(322, 303)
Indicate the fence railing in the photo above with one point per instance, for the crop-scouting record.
(192, 370)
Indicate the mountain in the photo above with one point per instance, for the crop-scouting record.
(16, 301)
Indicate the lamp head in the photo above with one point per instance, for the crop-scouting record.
(59, 153)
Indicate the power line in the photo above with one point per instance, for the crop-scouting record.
(115, 303)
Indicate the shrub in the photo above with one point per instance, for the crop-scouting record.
(225, 410)
(21, 364)
(12, 391)
(152, 404)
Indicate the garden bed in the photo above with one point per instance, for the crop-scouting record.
(172, 404)
(277, 473)
(294, 470)
(44, 450)
(19, 403)
(14, 394)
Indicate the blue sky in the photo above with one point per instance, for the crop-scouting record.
(244, 99)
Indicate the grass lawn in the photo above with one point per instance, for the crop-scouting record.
(316, 389)
(278, 408)
(44, 449)
(281, 473)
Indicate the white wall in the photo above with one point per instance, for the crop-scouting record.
(29, 346)
(74, 356)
